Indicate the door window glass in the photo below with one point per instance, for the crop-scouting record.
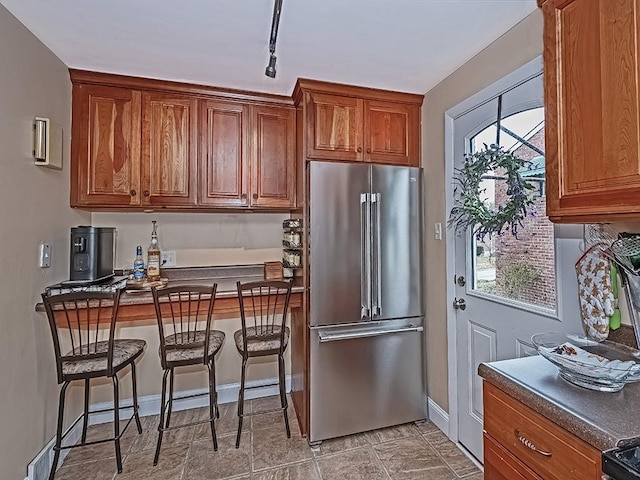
(517, 269)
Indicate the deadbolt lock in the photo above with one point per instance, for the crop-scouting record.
(460, 281)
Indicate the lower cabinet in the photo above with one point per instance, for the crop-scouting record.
(521, 444)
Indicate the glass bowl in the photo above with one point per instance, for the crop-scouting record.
(603, 366)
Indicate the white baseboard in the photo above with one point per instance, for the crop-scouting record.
(39, 467)
(438, 416)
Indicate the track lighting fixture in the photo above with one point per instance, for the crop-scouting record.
(275, 21)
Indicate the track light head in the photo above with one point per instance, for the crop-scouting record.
(271, 68)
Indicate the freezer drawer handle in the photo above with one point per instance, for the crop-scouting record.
(370, 333)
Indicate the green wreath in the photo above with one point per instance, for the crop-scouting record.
(471, 211)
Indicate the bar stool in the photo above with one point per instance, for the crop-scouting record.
(181, 311)
(267, 303)
(80, 318)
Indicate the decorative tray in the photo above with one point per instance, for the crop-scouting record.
(145, 285)
(604, 366)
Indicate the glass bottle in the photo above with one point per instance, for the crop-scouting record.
(138, 264)
(153, 256)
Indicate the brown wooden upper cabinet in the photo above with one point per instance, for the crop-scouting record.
(592, 105)
(248, 155)
(139, 143)
(169, 149)
(359, 124)
(105, 147)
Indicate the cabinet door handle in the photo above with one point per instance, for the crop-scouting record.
(132, 193)
(255, 196)
(529, 444)
(359, 149)
(368, 150)
(146, 193)
(244, 195)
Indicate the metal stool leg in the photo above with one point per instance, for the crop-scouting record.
(283, 393)
(215, 390)
(161, 423)
(170, 409)
(134, 389)
(212, 406)
(241, 401)
(116, 422)
(56, 448)
(85, 419)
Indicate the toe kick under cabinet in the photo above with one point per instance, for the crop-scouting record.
(520, 444)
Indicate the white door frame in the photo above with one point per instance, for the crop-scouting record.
(521, 75)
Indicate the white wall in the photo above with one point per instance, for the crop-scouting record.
(34, 207)
(515, 48)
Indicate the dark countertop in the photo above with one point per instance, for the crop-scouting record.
(226, 278)
(603, 420)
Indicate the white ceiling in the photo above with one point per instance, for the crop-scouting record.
(405, 45)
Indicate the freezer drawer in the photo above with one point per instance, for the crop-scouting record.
(366, 377)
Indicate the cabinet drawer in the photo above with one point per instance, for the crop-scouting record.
(541, 445)
(501, 465)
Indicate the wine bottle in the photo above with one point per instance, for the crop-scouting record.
(153, 256)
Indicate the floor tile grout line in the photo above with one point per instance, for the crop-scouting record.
(375, 452)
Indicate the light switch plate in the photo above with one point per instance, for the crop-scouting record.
(44, 259)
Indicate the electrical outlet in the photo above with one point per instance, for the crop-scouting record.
(168, 258)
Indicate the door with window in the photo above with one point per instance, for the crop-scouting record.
(506, 286)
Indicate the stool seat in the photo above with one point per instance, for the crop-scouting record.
(187, 346)
(124, 351)
(262, 339)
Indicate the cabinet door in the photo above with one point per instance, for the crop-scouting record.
(392, 133)
(105, 147)
(169, 149)
(273, 173)
(591, 93)
(334, 127)
(223, 154)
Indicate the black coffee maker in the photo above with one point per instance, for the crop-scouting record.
(92, 252)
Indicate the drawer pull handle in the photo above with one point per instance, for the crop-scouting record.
(529, 444)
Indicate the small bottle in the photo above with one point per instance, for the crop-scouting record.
(153, 256)
(138, 264)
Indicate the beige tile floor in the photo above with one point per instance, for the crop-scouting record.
(405, 452)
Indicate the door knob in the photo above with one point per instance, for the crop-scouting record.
(459, 304)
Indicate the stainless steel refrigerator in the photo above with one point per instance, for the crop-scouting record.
(367, 367)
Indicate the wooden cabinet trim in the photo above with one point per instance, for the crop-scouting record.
(304, 85)
(166, 86)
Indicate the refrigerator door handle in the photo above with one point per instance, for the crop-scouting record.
(377, 303)
(365, 255)
(369, 333)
